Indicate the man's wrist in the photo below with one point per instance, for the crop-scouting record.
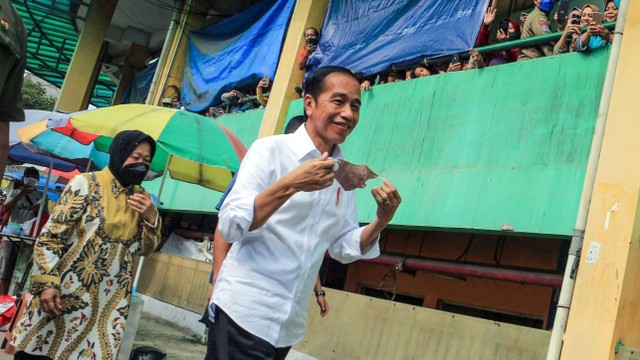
(320, 293)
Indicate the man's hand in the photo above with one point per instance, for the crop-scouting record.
(593, 28)
(310, 49)
(143, 205)
(454, 67)
(210, 294)
(312, 175)
(560, 24)
(388, 200)
(572, 29)
(323, 304)
(603, 32)
(489, 16)
(366, 85)
(523, 17)
(50, 301)
(474, 55)
(501, 36)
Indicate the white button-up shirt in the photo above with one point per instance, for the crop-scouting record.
(266, 281)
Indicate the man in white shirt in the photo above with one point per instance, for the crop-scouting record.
(283, 213)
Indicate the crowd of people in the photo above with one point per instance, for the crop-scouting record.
(581, 32)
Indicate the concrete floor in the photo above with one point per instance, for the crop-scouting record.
(176, 342)
(164, 336)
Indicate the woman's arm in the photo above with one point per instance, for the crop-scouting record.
(54, 242)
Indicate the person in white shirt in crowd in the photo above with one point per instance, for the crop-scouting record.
(284, 212)
(22, 203)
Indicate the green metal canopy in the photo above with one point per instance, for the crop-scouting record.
(52, 40)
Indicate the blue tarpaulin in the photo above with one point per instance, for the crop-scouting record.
(140, 84)
(234, 53)
(368, 36)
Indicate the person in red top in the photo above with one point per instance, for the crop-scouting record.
(311, 41)
(513, 33)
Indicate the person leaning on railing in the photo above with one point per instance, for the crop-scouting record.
(513, 33)
(570, 32)
(596, 35)
(263, 85)
(537, 24)
(389, 76)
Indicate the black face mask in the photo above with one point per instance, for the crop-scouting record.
(133, 174)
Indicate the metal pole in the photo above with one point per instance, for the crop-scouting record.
(44, 199)
(568, 283)
(141, 262)
(162, 59)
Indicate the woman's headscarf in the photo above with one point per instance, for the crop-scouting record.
(516, 26)
(593, 7)
(122, 146)
(617, 2)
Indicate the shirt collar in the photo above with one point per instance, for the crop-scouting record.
(305, 149)
(116, 187)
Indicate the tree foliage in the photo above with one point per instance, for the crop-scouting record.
(35, 96)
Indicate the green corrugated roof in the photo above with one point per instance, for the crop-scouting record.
(53, 37)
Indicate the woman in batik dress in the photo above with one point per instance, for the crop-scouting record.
(83, 260)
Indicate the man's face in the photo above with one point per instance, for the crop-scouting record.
(310, 34)
(335, 113)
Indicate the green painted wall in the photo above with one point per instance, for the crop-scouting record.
(479, 149)
(245, 125)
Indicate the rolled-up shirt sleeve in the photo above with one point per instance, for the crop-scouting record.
(346, 247)
(254, 176)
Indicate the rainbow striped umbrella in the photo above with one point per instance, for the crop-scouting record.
(193, 148)
(64, 142)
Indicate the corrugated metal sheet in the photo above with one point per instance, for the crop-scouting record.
(483, 149)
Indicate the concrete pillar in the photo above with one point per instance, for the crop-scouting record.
(605, 301)
(85, 65)
(136, 60)
(171, 65)
(306, 13)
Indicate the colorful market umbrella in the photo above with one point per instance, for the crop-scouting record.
(193, 148)
(64, 142)
(28, 153)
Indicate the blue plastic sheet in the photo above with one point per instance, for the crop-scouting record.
(234, 53)
(368, 36)
(140, 84)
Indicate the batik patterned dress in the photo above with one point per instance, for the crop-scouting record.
(86, 250)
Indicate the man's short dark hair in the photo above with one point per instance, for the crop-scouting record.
(31, 172)
(312, 28)
(314, 85)
(294, 124)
